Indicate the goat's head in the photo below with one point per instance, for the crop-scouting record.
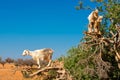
(25, 52)
(96, 10)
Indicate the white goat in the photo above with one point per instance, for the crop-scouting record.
(40, 55)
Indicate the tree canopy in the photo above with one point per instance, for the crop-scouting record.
(96, 57)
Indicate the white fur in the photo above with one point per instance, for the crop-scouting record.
(91, 16)
(40, 55)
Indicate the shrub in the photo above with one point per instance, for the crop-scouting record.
(9, 60)
(0, 59)
(29, 62)
(2, 62)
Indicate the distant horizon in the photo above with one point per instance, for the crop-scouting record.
(28, 24)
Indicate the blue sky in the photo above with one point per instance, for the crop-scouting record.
(36, 24)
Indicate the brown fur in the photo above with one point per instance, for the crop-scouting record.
(47, 56)
(97, 24)
(92, 18)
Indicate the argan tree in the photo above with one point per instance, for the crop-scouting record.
(97, 56)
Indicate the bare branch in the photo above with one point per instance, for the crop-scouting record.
(44, 69)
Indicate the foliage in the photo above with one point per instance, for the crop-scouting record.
(52, 74)
(86, 62)
(86, 65)
(9, 60)
(76, 61)
(27, 62)
(2, 62)
(19, 62)
(0, 59)
(111, 10)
